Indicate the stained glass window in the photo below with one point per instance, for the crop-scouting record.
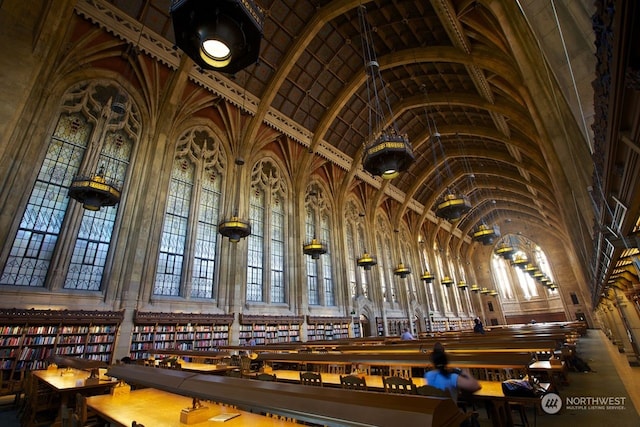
(36, 238)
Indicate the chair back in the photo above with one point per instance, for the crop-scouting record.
(400, 371)
(353, 382)
(398, 385)
(429, 390)
(311, 378)
(336, 369)
(263, 376)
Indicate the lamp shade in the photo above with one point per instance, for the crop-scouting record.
(235, 229)
(475, 288)
(453, 207)
(505, 250)
(402, 270)
(94, 192)
(427, 277)
(447, 281)
(367, 261)
(315, 248)
(485, 234)
(388, 155)
(462, 285)
(221, 35)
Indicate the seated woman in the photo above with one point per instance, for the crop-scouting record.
(451, 380)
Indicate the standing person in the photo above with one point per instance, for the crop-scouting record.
(451, 380)
(478, 328)
(406, 335)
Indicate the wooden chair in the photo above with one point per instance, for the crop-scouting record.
(398, 385)
(245, 367)
(41, 404)
(263, 376)
(336, 369)
(428, 390)
(353, 382)
(311, 378)
(84, 416)
(400, 371)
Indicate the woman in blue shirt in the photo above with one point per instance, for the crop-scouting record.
(451, 380)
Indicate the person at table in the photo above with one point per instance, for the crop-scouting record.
(478, 328)
(451, 380)
(406, 335)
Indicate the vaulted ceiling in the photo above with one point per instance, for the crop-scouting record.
(488, 73)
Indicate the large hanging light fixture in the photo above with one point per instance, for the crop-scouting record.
(222, 35)
(314, 248)
(506, 248)
(389, 151)
(367, 261)
(402, 271)
(485, 234)
(475, 288)
(453, 206)
(447, 281)
(234, 227)
(427, 277)
(462, 285)
(94, 191)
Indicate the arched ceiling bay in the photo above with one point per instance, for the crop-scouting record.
(444, 62)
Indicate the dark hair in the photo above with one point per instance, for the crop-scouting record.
(439, 359)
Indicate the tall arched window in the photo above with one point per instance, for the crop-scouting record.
(433, 301)
(317, 225)
(501, 277)
(444, 291)
(354, 231)
(405, 247)
(85, 124)
(266, 248)
(187, 257)
(385, 261)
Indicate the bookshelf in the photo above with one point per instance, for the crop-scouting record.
(327, 328)
(269, 329)
(29, 337)
(177, 331)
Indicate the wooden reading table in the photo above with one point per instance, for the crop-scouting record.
(69, 381)
(157, 408)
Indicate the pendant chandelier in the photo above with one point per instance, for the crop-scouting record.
(94, 191)
(453, 206)
(462, 285)
(447, 281)
(427, 277)
(402, 271)
(520, 261)
(493, 293)
(485, 234)
(389, 151)
(475, 288)
(485, 291)
(235, 228)
(314, 248)
(222, 35)
(367, 261)
(506, 248)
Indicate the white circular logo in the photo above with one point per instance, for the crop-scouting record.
(551, 403)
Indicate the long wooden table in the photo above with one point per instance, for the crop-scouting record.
(157, 408)
(69, 381)
(319, 405)
(497, 404)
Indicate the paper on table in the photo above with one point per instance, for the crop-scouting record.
(224, 417)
